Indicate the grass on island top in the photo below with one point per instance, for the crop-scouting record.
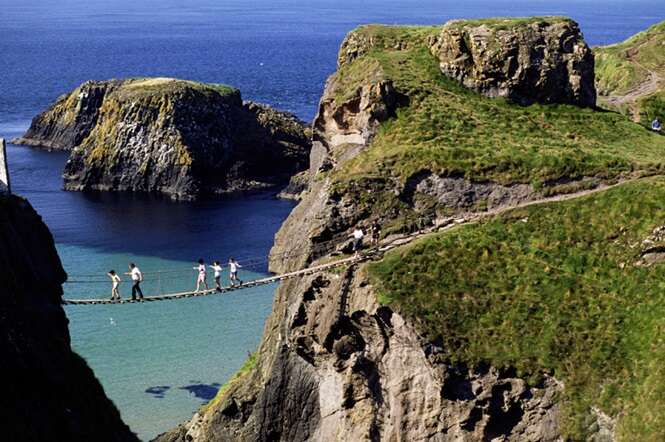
(507, 23)
(550, 289)
(160, 85)
(450, 130)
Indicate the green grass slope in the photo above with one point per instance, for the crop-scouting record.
(622, 67)
(450, 130)
(634, 68)
(550, 289)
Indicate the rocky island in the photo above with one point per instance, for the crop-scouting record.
(536, 323)
(180, 138)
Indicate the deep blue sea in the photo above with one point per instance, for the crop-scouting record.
(161, 361)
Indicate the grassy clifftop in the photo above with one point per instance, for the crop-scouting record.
(631, 75)
(624, 66)
(551, 289)
(548, 289)
(450, 130)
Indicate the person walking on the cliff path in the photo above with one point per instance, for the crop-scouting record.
(233, 272)
(375, 231)
(216, 266)
(201, 279)
(358, 236)
(137, 279)
(656, 125)
(115, 280)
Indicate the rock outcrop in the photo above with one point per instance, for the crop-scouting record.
(176, 137)
(336, 364)
(541, 60)
(49, 393)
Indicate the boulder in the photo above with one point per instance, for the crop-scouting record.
(536, 60)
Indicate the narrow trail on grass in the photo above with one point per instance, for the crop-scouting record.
(472, 217)
(649, 86)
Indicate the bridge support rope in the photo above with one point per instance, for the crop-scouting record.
(248, 284)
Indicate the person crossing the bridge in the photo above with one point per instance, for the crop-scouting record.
(233, 272)
(201, 279)
(115, 280)
(217, 267)
(137, 279)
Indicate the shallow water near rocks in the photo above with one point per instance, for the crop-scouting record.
(160, 361)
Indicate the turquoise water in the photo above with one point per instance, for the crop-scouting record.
(158, 361)
(180, 350)
(279, 52)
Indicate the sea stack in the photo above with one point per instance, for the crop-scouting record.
(180, 138)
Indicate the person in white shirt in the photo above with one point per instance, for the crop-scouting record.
(201, 279)
(115, 279)
(216, 266)
(137, 279)
(233, 272)
(358, 236)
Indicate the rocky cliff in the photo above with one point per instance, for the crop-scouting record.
(49, 392)
(176, 137)
(399, 143)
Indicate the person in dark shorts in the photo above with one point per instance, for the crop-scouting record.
(358, 236)
(137, 279)
(217, 268)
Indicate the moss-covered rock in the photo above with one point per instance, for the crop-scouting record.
(534, 60)
(176, 137)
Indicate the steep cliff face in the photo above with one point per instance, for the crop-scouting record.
(171, 136)
(399, 143)
(543, 60)
(49, 392)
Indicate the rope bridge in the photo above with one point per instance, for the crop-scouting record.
(333, 242)
(226, 289)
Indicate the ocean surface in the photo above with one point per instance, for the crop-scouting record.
(160, 361)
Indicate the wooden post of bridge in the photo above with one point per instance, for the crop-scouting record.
(5, 184)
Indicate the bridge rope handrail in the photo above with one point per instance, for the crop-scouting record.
(397, 241)
(246, 262)
(226, 289)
